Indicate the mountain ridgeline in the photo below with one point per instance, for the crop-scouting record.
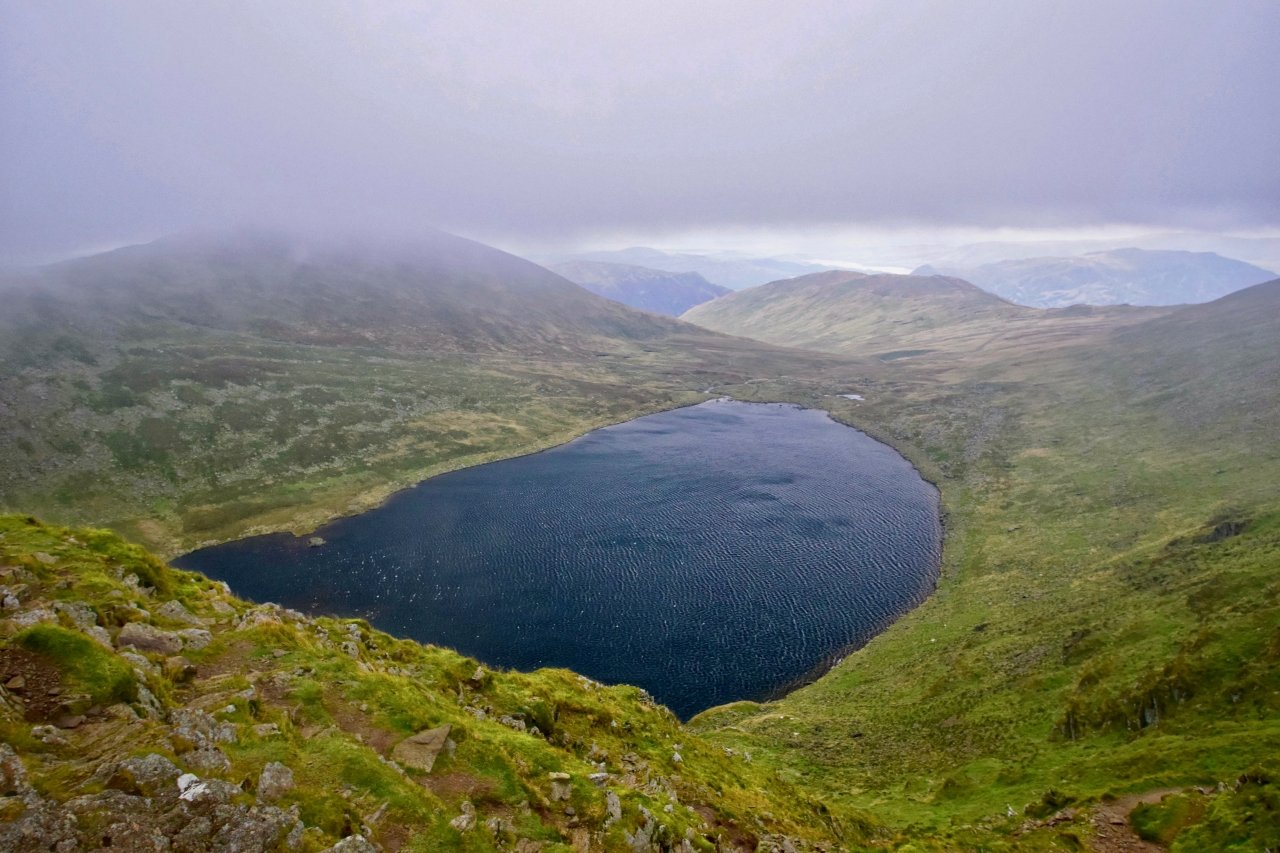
(201, 386)
(436, 292)
(1119, 276)
(1100, 660)
(655, 291)
(893, 317)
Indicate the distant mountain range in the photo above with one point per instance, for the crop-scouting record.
(656, 291)
(1261, 251)
(896, 317)
(725, 269)
(1115, 277)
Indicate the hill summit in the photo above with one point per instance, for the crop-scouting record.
(434, 291)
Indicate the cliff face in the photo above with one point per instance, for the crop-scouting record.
(144, 708)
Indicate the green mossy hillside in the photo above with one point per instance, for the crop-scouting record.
(332, 698)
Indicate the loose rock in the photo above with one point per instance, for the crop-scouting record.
(465, 821)
(276, 781)
(151, 775)
(353, 844)
(419, 751)
(13, 774)
(148, 639)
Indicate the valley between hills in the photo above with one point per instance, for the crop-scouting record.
(1106, 624)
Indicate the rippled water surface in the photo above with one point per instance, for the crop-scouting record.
(707, 554)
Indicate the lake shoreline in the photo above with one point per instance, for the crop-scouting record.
(844, 473)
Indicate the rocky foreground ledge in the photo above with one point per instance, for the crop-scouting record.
(147, 709)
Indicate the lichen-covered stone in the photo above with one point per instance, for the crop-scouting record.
(151, 775)
(147, 638)
(275, 781)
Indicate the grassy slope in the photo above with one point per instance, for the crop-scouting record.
(185, 392)
(1079, 460)
(1109, 615)
(341, 695)
(896, 317)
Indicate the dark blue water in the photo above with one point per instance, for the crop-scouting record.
(707, 554)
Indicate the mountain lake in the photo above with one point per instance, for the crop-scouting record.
(708, 554)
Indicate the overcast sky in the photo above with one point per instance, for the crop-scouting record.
(555, 121)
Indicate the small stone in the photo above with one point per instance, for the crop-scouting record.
(419, 751)
(35, 616)
(146, 776)
(176, 612)
(178, 669)
(209, 792)
(207, 760)
(195, 638)
(99, 635)
(10, 602)
(315, 542)
(16, 684)
(560, 788)
(13, 774)
(47, 559)
(48, 735)
(78, 613)
(141, 664)
(612, 809)
(500, 827)
(478, 675)
(465, 821)
(148, 639)
(265, 730)
(352, 844)
(278, 653)
(70, 721)
(276, 781)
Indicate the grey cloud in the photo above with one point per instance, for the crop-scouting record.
(549, 119)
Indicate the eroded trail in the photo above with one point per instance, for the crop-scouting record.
(1112, 831)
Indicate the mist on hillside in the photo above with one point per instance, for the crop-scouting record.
(879, 135)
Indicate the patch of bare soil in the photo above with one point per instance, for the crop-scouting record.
(457, 786)
(32, 679)
(353, 721)
(1112, 832)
